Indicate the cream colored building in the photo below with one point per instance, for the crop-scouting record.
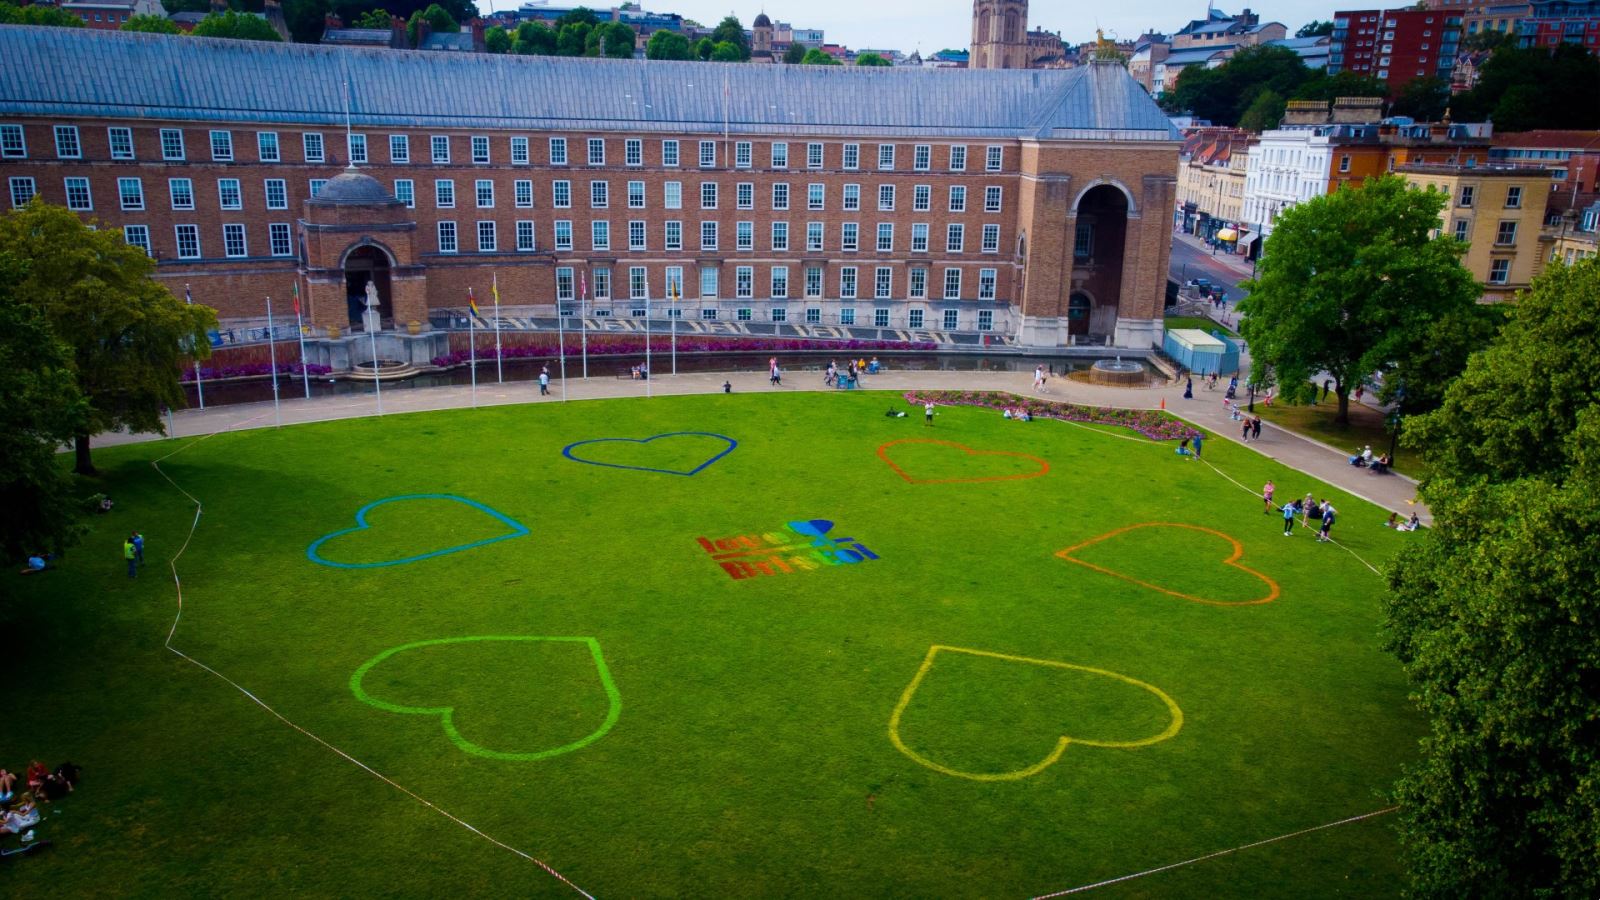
(1575, 237)
(1499, 213)
(1211, 180)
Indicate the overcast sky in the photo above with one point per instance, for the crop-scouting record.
(931, 25)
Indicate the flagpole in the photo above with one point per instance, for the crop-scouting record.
(377, 383)
(672, 294)
(499, 371)
(300, 332)
(272, 353)
(561, 348)
(583, 318)
(472, 338)
(199, 388)
(648, 374)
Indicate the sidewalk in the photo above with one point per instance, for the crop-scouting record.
(1312, 457)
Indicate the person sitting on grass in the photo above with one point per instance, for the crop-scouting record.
(37, 562)
(8, 781)
(895, 413)
(1024, 415)
(1394, 521)
(23, 817)
(1006, 412)
(36, 775)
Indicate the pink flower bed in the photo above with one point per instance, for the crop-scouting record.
(1151, 423)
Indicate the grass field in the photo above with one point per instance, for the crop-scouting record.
(1366, 428)
(955, 710)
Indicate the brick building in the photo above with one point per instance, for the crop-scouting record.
(1396, 46)
(1014, 202)
(1498, 213)
(1554, 22)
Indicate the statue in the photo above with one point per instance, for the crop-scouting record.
(371, 318)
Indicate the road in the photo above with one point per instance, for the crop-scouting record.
(1190, 260)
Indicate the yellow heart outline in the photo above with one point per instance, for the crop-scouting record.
(1061, 746)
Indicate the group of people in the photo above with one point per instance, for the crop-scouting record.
(1039, 379)
(1363, 459)
(19, 809)
(1019, 413)
(1398, 524)
(850, 377)
(1305, 509)
(133, 552)
(641, 372)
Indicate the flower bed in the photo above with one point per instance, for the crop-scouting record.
(1151, 423)
(631, 346)
(249, 370)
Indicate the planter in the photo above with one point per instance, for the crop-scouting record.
(333, 331)
(414, 326)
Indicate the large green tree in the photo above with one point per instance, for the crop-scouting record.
(795, 53)
(1424, 99)
(815, 57)
(127, 333)
(236, 25)
(1222, 95)
(373, 18)
(497, 40)
(1315, 28)
(1526, 88)
(872, 59)
(1495, 612)
(43, 410)
(37, 14)
(610, 39)
(534, 39)
(1322, 86)
(664, 44)
(1265, 112)
(731, 31)
(151, 24)
(726, 51)
(439, 22)
(1347, 283)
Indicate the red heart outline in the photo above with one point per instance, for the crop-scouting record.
(1238, 551)
(883, 454)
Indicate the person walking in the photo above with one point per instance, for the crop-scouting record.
(1255, 428)
(128, 554)
(1288, 519)
(1198, 438)
(927, 413)
(544, 381)
(1266, 495)
(138, 547)
(1327, 521)
(1245, 431)
(1188, 388)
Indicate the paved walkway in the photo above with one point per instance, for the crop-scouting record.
(1312, 457)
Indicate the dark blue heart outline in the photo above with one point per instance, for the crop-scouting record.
(567, 451)
(517, 530)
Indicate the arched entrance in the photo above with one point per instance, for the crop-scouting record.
(1097, 253)
(363, 264)
(1078, 308)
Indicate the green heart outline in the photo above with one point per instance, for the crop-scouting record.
(446, 714)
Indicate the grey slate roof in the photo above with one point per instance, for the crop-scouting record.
(83, 72)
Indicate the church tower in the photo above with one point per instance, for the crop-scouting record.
(999, 34)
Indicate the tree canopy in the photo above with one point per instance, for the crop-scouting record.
(1222, 95)
(872, 59)
(729, 30)
(610, 39)
(1527, 88)
(1315, 28)
(497, 40)
(1348, 283)
(1424, 99)
(236, 25)
(534, 39)
(1494, 611)
(126, 332)
(815, 57)
(1265, 112)
(664, 44)
(795, 53)
(439, 22)
(151, 24)
(373, 18)
(37, 14)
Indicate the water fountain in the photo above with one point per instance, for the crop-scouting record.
(1117, 373)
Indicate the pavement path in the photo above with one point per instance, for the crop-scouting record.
(1321, 461)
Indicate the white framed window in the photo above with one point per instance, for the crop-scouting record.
(847, 282)
(673, 231)
(780, 155)
(708, 195)
(744, 235)
(188, 237)
(958, 158)
(780, 282)
(78, 196)
(919, 237)
(952, 319)
(636, 195)
(880, 317)
(952, 284)
(709, 276)
(885, 157)
(914, 318)
(917, 283)
(356, 147)
(228, 194)
(993, 158)
(182, 191)
(480, 149)
(741, 154)
(744, 195)
(439, 149)
(597, 151)
(120, 141)
(985, 317)
(780, 196)
(813, 236)
(277, 191)
(886, 197)
(483, 188)
(813, 315)
(852, 156)
(599, 194)
(922, 157)
(638, 283)
(1499, 271)
(561, 194)
(708, 235)
(708, 154)
(399, 149)
(882, 282)
(444, 193)
(885, 237)
(986, 280)
(815, 195)
(847, 315)
(525, 243)
(636, 234)
(137, 236)
(487, 240)
(23, 189)
(814, 156)
(316, 186)
(1506, 234)
(991, 239)
(310, 146)
(669, 153)
(67, 143)
(922, 198)
(852, 197)
(13, 144)
(278, 241)
(1514, 197)
(600, 235)
(744, 278)
(780, 235)
(566, 283)
(447, 237)
(233, 243)
(779, 314)
(522, 193)
(954, 237)
(602, 285)
(1462, 226)
(519, 151)
(813, 281)
(130, 193)
(563, 234)
(958, 198)
(991, 198)
(744, 314)
(222, 146)
(633, 152)
(558, 151)
(672, 195)
(405, 190)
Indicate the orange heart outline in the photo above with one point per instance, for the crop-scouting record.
(1238, 551)
(883, 454)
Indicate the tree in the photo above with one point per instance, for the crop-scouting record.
(1322, 86)
(307, 18)
(1494, 611)
(151, 24)
(664, 44)
(726, 51)
(872, 59)
(610, 39)
(375, 18)
(1222, 95)
(1487, 39)
(1521, 89)
(795, 53)
(1423, 99)
(703, 48)
(1349, 280)
(43, 411)
(534, 39)
(731, 31)
(237, 26)
(438, 19)
(1424, 369)
(572, 39)
(815, 57)
(127, 333)
(583, 15)
(497, 40)
(37, 14)
(1315, 28)
(1266, 111)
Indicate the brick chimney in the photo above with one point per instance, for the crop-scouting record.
(398, 38)
(480, 44)
(423, 30)
(331, 21)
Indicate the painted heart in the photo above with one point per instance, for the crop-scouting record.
(1166, 571)
(990, 716)
(943, 457)
(673, 453)
(398, 540)
(566, 699)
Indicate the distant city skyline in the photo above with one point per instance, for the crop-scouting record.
(909, 25)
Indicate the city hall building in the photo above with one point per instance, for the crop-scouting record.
(1026, 204)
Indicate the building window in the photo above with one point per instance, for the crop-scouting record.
(638, 283)
(636, 238)
(565, 283)
(188, 241)
(228, 194)
(917, 283)
(958, 199)
(885, 237)
(886, 197)
(780, 155)
(847, 282)
(813, 236)
(849, 236)
(1461, 229)
(405, 191)
(316, 186)
(922, 198)
(602, 284)
(525, 242)
(882, 282)
(633, 152)
(1499, 271)
(600, 234)
(708, 235)
(741, 154)
(121, 142)
(483, 188)
(137, 236)
(599, 194)
(991, 239)
(447, 237)
(922, 157)
(986, 280)
(919, 237)
(780, 282)
(672, 195)
(233, 245)
(958, 158)
(130, 192)
(78, 197)
(852, 157)
(780, 314)
(14, 146)
(708, 282)
(480, 149)
(1514, 197)
(1465, 200)
(852, 197)
(182, 190)
(813, 315)
(222, 146)
(813, 156)
(914, 318)
(743, 314)
(563, 233)
(558, 151)
(310, 146)
(1083, 241)
(954, 237)
(885, 156)
(669, 153)
(277, 192)
(708, 195)
(745, 195)
(813, 281)
(357, 148)
(444, 193)
(985, 319)
(1506, 235)
(439, 146)
(522, 193)
(597, 151)
(814, 196)
(486, 237)
(519, 151)
(880, 317)
(674, 235)
(636, 195)
(952, 319)
(278, 243)
(67, 145)
(847, 315)
(1344, 163)
(952, 284)
(744, 282)
(744, 236)
(708, 154)
(992, 158)
(991, 198)
(780, 196)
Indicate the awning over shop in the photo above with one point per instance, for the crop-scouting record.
(1249, 238)
(1227, 234)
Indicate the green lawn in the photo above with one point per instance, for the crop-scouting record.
(1366, 428)
(1200, 322)
(965, 714)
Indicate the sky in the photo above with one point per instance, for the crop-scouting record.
(931, 25)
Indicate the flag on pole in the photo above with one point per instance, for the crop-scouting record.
(187, 297)
(300, 332)
(199, 386)
(499, 363)
(294, 292)
(472, 302)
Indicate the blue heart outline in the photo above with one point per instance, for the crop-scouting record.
(517, 530)
(567, 451)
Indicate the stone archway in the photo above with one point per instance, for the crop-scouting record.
(1097, 255)
(368, 262)
(1079, 309)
